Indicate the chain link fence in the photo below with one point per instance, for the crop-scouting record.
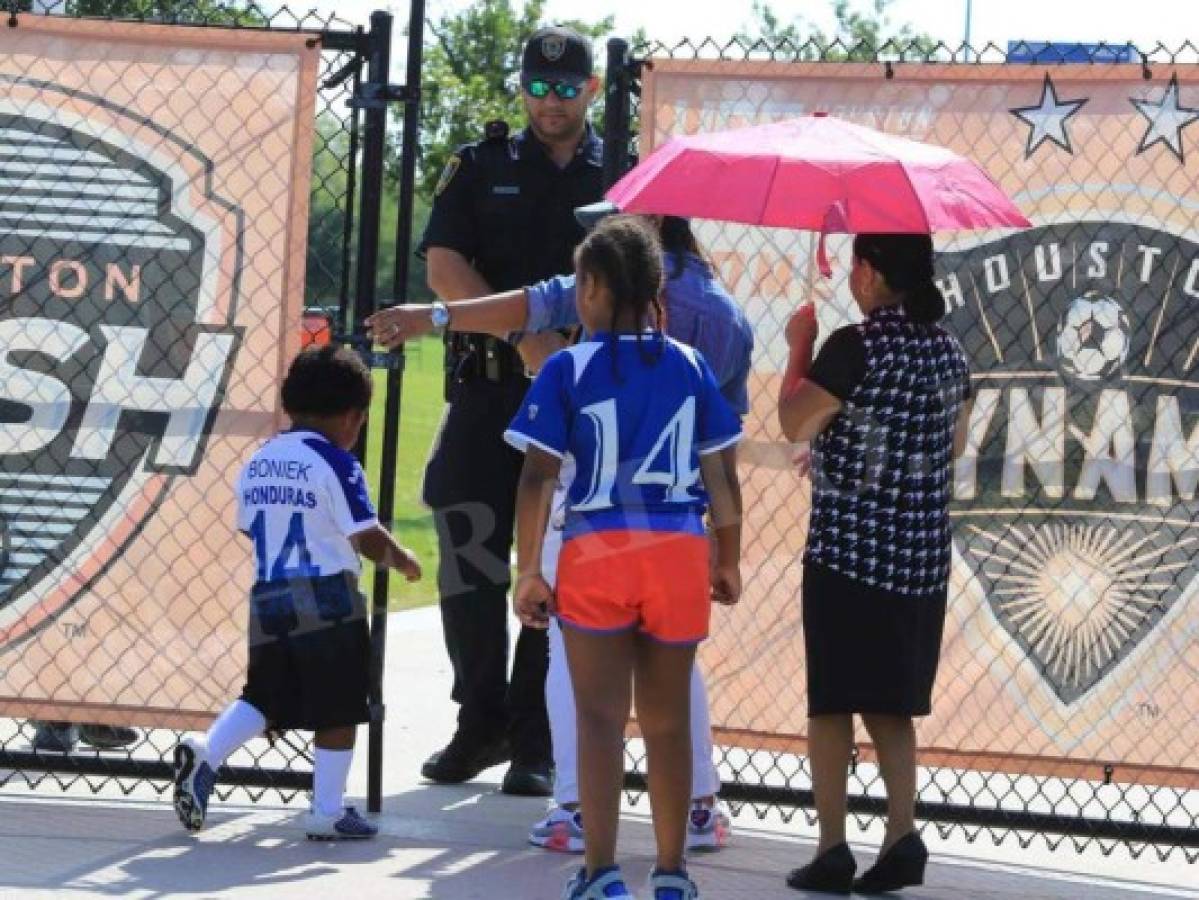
(150, 265)
(1066, 703)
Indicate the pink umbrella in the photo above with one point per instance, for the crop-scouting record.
(817, 173)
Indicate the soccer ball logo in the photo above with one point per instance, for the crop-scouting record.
(1092, 337)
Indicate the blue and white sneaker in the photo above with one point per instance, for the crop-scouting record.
(672, 886)
(561, 831)
(708, 827)
(194, 781)
(348, 826)
(605, 884)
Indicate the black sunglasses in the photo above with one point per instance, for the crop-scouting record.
(541, 87)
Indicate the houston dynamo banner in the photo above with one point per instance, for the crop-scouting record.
(153, 210)
(1071, 644)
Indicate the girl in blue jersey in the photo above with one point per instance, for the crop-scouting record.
(652, 440)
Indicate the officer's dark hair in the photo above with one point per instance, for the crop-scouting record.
(624, 253)
(906, 263)
(326, 381)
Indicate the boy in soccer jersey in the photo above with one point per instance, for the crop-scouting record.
(303, 502)
(652, 444)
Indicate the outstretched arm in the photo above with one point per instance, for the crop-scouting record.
(377, 545)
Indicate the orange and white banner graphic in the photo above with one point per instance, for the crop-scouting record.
(1073, 634)
(153, 220)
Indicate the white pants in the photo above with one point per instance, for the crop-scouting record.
(560, 701)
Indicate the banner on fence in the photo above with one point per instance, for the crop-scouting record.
(1072, 636)
(153, 219)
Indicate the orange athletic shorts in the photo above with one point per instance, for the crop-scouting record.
(654, 581)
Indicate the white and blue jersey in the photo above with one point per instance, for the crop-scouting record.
(635, 417)
(301, 498)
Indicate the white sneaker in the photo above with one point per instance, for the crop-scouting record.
(672, 886)
(347, 826)
(708, 827)
(606, 885)
(561, 831)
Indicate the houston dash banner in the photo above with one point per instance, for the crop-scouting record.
(153, 209)
(1071, 645)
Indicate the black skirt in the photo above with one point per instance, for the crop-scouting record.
(869, 650)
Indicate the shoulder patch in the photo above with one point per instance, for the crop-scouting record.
(447, 174)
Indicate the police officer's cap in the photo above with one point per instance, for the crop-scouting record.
(557, 54)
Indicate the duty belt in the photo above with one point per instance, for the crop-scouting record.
(480, 357)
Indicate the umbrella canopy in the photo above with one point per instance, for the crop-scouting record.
(817, 173)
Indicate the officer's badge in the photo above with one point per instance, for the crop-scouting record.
(447, 174)
(553, 46)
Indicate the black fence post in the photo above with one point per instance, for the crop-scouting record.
(617, 108)
(395, 389)
(373, 98)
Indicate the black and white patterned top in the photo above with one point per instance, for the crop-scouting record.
(881, 469)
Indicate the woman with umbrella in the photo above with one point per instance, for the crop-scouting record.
(885, 403)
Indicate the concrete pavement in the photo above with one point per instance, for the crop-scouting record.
(465, 842)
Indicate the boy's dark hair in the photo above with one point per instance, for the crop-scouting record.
(326, 381)
(906, 263)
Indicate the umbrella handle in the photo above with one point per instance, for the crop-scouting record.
(822, 262)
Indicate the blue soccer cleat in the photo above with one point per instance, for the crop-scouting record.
(347, 826)
(194, 781)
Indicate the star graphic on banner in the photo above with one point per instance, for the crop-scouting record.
(1167, 119)
(1047, 120)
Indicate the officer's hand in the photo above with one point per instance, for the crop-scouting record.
(531, 600)
(391, 327)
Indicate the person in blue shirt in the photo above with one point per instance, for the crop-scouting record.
(699, 313)
(302, 501)
(652, 441)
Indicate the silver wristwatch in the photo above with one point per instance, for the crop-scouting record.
(439, 314)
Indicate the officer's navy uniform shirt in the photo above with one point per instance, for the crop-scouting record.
(301, 498)
(881, 470)
(509, 209)
(635, 416)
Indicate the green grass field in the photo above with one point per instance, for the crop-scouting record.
(420, 411)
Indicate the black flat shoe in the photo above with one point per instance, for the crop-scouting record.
(901, 866)
(831, 872)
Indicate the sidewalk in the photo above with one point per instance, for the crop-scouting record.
(465, 842)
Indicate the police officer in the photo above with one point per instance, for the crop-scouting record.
(502, 218)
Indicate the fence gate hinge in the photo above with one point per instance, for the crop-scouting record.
(372, 96)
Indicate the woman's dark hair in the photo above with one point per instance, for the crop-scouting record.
(624, 253)
(677, 241)
(326, 381)
(906, 263)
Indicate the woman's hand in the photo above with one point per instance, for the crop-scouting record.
(726, 585)
(532, 599)
(391, 327)
(802, 460)
(802, 328)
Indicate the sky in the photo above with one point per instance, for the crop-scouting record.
(1144, 22)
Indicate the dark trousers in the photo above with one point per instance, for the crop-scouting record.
(471, 483)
